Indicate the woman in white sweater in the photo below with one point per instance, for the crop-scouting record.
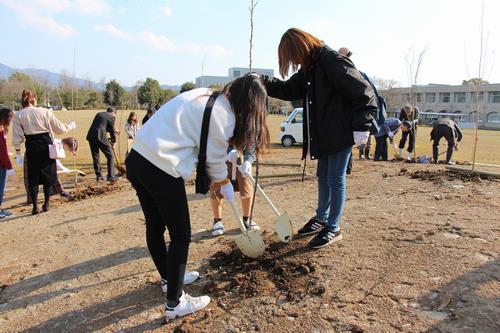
(163, 157)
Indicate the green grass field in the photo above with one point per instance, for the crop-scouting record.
(488, 145)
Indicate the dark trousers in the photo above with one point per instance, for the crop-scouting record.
(411, 143)
(381, 150)
(95, 147)
(438, 132)
(164, 204)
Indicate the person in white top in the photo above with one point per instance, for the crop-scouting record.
(131, 128)
(163, 157)
(36, 126)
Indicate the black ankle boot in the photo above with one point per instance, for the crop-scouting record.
(34, 211)
(46, 206)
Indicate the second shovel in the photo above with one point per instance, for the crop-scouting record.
(283, 226)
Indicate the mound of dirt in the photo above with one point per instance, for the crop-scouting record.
(282, 270)
(440, 176)
(89, 191)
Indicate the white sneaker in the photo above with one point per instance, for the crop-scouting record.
(251, 225)
(218, 229)
(189, 278)
(187, 305)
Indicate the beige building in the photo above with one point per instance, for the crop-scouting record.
(460, 100)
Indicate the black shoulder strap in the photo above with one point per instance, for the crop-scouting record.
(202, 156)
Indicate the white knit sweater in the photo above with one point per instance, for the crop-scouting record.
(171, 137)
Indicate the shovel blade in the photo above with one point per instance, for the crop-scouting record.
(250, 243)
(283, 228)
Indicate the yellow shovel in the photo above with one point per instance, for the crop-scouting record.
(283, 226)
(249, 241)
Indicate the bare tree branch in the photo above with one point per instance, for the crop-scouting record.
(253, 4)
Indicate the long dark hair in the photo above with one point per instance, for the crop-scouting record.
(296, 49)
(6, 116)
(248, 98)
(129, 120)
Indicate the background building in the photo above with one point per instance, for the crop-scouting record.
(233, 73)
(461, 101)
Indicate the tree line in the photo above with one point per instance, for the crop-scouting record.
(87, 96)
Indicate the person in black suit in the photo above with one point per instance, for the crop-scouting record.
(104, 122)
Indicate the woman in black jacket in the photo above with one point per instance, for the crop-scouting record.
(339, 106)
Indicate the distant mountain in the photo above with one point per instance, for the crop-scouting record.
(41, 74)
(174, 88)
(54, 78)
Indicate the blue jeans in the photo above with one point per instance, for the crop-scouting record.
(331, 175)
(3, 181)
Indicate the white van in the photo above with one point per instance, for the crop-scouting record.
(291, 129)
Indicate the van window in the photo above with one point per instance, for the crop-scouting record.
(298, 118)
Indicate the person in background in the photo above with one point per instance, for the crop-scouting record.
(243, 185)
(71, 146)
(34, 125)
(103, 123)
(387, 130)
(163, 158)
(131, 128)
(6, 170)
(448, 129)
(339, 107)
(409, 114)
(149, 113)
(58, 187)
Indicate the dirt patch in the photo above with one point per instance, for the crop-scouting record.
(90, 191)
(278, 272)
(441, 176)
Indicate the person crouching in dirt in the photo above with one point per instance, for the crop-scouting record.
(339, 107)
(163, 157)
(242, 184)
(410, 114)
(387, 130)
(448, 129)
(104, 122)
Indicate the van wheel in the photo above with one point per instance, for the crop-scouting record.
(287, 141)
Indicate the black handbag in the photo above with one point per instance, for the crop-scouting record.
(202, 183)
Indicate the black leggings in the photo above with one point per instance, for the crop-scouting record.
(164, 203)
(411, 143)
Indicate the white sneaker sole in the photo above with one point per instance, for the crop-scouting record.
(171, 315)
(336, 239)
(216, 233)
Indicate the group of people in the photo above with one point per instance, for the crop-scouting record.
(339, 110)
(408, 124)
(339, 107)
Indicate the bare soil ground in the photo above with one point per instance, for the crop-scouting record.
(420, 254)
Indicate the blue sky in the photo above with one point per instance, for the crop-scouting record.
(171, 40)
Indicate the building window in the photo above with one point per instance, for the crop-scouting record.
(236, 74)
(430, 97)
(460, 97)
(444, 97)
(406, 98)
(419, 98)
(493, 117)
(494, 96)
(474, 96)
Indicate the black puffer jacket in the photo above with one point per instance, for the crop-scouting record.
(339, 101)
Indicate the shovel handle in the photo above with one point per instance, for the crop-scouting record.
(269, 202)
(237, 215)
(233, 171)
